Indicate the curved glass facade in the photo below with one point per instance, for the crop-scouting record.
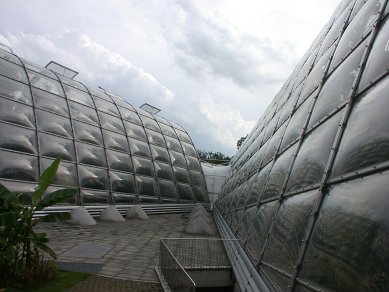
(111, 151)
(307, 194)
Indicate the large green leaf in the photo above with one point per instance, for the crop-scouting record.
(55, 197)
(56, 217)
(45, 180)
(9, 200)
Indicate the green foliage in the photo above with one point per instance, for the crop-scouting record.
(62, 282)
(213, 157)
(240, 142)
(21, 248)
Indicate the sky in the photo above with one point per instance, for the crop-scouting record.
(212, 66)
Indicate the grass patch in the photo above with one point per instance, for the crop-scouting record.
(63, 281)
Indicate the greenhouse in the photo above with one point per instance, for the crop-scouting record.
(306, 195)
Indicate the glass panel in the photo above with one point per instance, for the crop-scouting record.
(177, 159)
(189, 149)
(91, 155)
(13, 71)
(78, 96)
(51, 102)
(122, 182)
(315, 76)
(366, 138)
(147, 200)
(119, 161)
(121, 102)
(334, 31)
(257, 159)
(296, 124)
(246, 222)
(100, 94)
(184, 137)
(178, 127)
(185, 192)
(155, 138)
(359, 27)
(10, 57)
(278, 174)
(115, 141)
(169, 131)
(93, 178)
(146, 186)
(278, 281)
(312, 157)
(83, 113)
(135, 131)
(173, 144)
(258, 186)
(164, 170)
(193, 163)
(337, 88)
(273, 145)
(53, 146)
(290, 104)
(349, 244)
(143, 166)
(167, 189)
(282, 248)
(111, 123)
(200, 194)
(150, 123)
(66, 174)
(17, 187)
(130, 116)
(15, 90)
(181, 174)
(87, 133)
(45, 83)
(71, 82)
(122, 199)
(160, 154)
(260, 228)
(196, 178)
(378, 61)
(54, 124)
(37, 68)
(16, 113)
(94, 198)
(18, 139)
(106, 107)
(139, 148)
(17, 166)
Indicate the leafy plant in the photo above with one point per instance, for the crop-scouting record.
(21, 247)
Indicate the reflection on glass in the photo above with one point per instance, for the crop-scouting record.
(282, 248)
(368, 115)
(312, 157)
(349, 248)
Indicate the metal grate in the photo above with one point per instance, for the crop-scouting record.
(180, 255)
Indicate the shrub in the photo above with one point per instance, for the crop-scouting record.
(22, 250)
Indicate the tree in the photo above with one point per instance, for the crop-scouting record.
(213, 157)
(240, 142)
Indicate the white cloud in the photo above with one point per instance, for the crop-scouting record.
(98, 65)
(211, 66)
(227, 124)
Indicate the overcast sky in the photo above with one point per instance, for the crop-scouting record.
(212, 66)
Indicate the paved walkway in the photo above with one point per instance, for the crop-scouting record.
(126, 250)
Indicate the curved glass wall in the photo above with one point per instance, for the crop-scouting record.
(307, 194)
(112, 152)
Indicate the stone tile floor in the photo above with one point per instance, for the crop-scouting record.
(135, 250)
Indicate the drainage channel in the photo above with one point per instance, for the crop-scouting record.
(195, 264)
